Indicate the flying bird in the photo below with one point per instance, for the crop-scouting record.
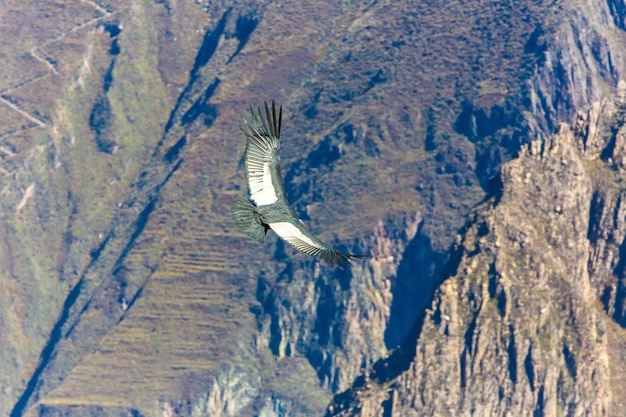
(265, 183)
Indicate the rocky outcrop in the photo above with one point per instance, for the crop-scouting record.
(570, 63)
(576, 65)
(607, 228)
(519, 317)
(231, 392)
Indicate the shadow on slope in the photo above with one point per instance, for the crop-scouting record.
(415, 283)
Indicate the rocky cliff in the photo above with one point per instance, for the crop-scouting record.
(428, 136)
(526, 323)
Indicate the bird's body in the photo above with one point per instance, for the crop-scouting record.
(265, 182)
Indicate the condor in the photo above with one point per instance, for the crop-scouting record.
(265, 183)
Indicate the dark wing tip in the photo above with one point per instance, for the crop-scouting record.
(273, 121)
(268, 125)
(342, 259)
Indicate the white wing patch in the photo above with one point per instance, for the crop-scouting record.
(261, 188)
(293, 235)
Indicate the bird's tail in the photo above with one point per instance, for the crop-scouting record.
(247, 218)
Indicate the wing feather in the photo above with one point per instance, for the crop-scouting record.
(265, 183)
(304, 241)
(261, 157)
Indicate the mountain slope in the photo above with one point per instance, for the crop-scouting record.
(128, 290)
(520, 316)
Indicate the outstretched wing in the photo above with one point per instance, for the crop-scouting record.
(303, 240)
(261, 157)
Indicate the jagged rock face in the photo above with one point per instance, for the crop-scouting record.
(603, 135)
(606, 261)
(576, 65)
(577, 59)
(519, 318)
(519, 315)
